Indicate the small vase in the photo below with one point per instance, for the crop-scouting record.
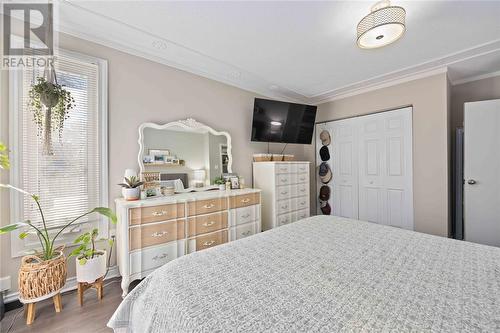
(92, 269)
(222, 187)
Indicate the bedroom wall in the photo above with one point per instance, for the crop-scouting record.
(429, 98)
(140, 91)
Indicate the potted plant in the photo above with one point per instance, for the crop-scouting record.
(130, 189)
(44, 273)
(220, 181)
(50, 103)
(90, 262)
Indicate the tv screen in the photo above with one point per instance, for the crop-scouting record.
(275, 121)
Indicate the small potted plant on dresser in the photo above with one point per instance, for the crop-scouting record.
(91, 264)
(130, 188)
(221, 183)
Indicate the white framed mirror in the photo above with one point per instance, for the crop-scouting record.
(184, 149)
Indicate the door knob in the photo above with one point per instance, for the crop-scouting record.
(471, 182)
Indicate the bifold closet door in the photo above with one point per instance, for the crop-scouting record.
(385, 168)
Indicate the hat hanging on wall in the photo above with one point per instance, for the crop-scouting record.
(325, 207)
(324, 153)
(325, 137)
(325, 174)
(324, 193)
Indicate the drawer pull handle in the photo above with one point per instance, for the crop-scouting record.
(303, 203)
(162, 256)
(246, 215)
(159, 234)
(163, 212)
(303, 190)
(246, 200)
(284, 193)
(302, 179)
(208, 224)
(284, 180)
(246, 233)
(284, 207)
(211, 205)
(212, 242)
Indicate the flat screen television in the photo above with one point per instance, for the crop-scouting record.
(275, 121)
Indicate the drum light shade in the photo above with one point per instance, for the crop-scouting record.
(384, 25)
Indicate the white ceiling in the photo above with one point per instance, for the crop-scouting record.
(296, 50)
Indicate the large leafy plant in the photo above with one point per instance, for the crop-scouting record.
(47, 240)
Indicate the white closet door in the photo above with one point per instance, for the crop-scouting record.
(385, 168)
(344, 163)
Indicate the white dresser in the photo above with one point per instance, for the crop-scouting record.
(285, 191)
(152, 232)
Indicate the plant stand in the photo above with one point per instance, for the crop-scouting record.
(29, 309)
(97, 284)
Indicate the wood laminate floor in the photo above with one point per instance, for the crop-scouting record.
(91, 317)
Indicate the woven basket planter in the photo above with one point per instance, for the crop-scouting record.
(39, 279)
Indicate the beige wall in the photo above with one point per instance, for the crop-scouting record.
(428, 96)
(144, 91)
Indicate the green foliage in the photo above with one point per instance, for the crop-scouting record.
(86, 247)
(50, 95)
(4, 157)
(219, 181)
(131, 182)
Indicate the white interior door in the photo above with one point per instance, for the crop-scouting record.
(344, 164)
(482, 172)
(385, 168)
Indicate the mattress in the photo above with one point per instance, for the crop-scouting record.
(322, 274)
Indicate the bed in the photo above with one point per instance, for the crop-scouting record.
(322, 274)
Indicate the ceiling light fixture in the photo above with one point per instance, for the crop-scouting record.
(384, 25)
(275, 123)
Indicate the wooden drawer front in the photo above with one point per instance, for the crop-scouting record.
(206, 223)
(285, 179)
(211, 240)
(283, 206)
(283, 192)
(154, 257)
(283, 168)
(155, 234)
(302, 178)
(283, 219)
(244, 200)
(243, 231)
(244, 215)
(302, 203)
(156, 213)
(302, 214)
(302, 190)
(206, 206)
(303, 168)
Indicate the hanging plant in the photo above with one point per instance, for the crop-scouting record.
(51, 104)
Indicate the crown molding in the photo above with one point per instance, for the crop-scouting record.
(475, 78)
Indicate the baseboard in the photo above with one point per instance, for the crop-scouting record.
(71, 284)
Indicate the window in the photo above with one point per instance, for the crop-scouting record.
(73, 180)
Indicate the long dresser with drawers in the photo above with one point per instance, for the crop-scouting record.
(285, 191)
(154, 231)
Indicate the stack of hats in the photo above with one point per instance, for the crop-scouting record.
(325, 173)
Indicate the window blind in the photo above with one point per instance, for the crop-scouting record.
(67, 182)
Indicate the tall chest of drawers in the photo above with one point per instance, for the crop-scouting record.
(152, 232)
(285, 191)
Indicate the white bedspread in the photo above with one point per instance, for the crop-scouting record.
(323, 274)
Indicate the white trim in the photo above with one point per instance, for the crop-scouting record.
(188, 124)
(15, 87)
(475, 78)
(71, 284)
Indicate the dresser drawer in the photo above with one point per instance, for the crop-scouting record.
(302, 190)
(155, 234)
(302, 178)
(303, 168)
(283, 168)
(242, 231)
(244, 200)
(207, 241)
(283, 192)
(206, 206)
(206, 223)
(283, 206)
(285, 179)
(155, 256)
(244, 215)
(156, 213)
(302, 214)
(283, 219)
(301, 203)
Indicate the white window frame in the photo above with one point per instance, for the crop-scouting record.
(18, 248)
